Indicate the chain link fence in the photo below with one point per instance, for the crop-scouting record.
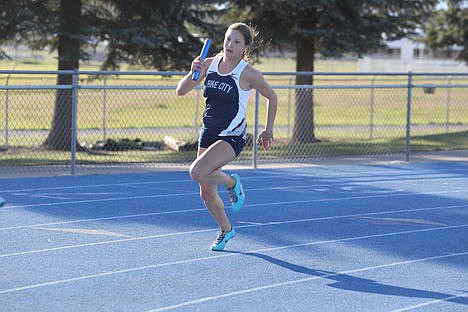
(102, 120)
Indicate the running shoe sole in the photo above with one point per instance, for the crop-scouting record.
(220, 246)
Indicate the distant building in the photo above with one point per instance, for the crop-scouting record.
(407, 55)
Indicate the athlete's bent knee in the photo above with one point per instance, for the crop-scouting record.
(196, 173)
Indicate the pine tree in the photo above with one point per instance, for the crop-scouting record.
(448, 27)
(329, 27)
(160, 35)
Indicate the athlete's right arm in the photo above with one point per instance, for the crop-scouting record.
(187, 83)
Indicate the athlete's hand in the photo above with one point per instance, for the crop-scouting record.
(197, 64)
(265, 139)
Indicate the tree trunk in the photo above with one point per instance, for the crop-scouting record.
(303, 131)
(59, 137)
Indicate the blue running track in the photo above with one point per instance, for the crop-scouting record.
(376, 237)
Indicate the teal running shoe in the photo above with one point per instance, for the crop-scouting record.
(222, 239)
(237, 194)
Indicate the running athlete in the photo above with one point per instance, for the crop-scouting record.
(228, 81)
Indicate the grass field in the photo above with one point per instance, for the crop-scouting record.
(348, 120)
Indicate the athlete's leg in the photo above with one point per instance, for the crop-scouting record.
(215, 205)
(206, 170)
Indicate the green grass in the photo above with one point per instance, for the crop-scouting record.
(280, 151)
(33, 110)
(344, 111)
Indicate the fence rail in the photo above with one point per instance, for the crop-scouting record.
(134, 119)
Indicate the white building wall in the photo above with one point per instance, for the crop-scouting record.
(407, 62)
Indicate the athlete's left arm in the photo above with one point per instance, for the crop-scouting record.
(256, 81)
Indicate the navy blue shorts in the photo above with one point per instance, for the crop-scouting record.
(207, 138)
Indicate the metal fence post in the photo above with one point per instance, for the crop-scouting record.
(6, 110)
(74, 119)
(289, 105)
(408, 115)
(447, 108)
(255, 134)
(104, 110)
(371, 113)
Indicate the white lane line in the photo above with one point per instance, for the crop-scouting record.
(98, 200)
(80, 186)
(401, 221)
(204, 209)
(126, 184)
(140, 215)
(302, 280)
(115, 241)
(158, 265)
(22, 253)
(390, 194)
(345, 182)
(416, 306)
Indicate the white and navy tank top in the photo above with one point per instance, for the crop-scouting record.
(226, 102)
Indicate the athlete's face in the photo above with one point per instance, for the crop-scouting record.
(234, 44)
